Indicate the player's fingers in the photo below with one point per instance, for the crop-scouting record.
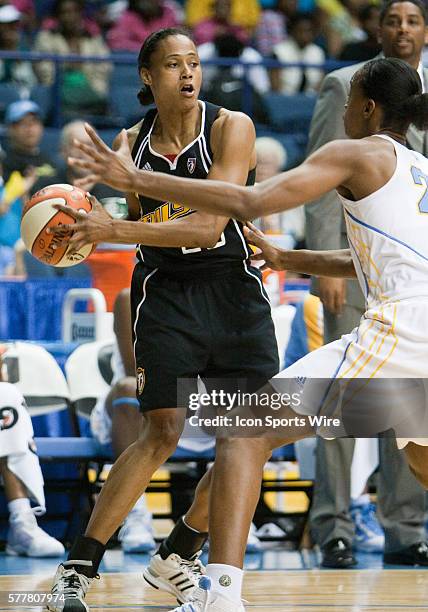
(124, 142)
(258, 256)
(254, 229)
(58, 230)
(96, 204)
(86, 164)
(97, 140)
(69, 211)
(87, 182)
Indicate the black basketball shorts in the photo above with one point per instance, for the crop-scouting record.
(215, 327)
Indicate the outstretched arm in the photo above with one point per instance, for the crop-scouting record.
(326, 169)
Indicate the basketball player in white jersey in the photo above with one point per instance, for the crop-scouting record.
(383, 188)
(21, 475)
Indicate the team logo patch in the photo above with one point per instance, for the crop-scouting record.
(225, 580)
(8, 417)
(191, 164)
(141, 380)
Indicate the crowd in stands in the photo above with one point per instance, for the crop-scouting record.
(288, 30)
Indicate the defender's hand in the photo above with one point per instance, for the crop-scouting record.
(114, 168)
(267, 252)
(332, 293)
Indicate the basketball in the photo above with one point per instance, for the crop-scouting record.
(39, 214)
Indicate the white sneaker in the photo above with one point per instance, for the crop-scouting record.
(69, 589)
(253, 542)
(136, 535)
(26, 538)
(174, 575)
(204, 599)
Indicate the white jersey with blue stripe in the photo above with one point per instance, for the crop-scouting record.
(388, 236)
(388, 232)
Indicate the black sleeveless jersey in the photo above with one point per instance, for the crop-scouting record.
(194, 161)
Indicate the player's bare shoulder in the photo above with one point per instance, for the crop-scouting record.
(232, 128)
(132, 134)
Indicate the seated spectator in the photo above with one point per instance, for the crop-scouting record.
(69, 174)
(245, 13)
(11, 203)
(272, 27)
(141, 19)
(224, 85)
(116, 421)
(299, 47)
(341, 24)
(84, 85)
(13, 71)
(271, 160)
(364, 50)
(220, 23)
(24, 134)
(22, 477)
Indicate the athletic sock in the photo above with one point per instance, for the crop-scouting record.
(18, 507)
(183, 540)
(86, 549)
(226, 580)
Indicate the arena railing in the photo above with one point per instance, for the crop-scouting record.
(131, 59)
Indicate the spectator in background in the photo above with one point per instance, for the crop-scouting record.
(68, 174)
(271, 160)
(220, 23)
(84, 85)
(22, 476)
(224, 85)
(342, 24)
(11, 201)
(299, 47)
(13, 71)
(366, 49)
(272, 27)
(244, 13)
(141, 19)
(24, 134)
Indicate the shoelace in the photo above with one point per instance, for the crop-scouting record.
(72, 582)
(192, 567)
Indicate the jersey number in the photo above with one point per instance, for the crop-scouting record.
(220, 243)
(420, 178)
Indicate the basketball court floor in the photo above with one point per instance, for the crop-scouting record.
(276, 580)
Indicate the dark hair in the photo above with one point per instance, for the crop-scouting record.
(149, 47)
(397, 87)
(228, 45)
(419, 3)
(58, 5)
(297, 18)
(365, 12)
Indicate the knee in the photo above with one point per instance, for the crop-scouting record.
(161, 433)
(259, 449)
(125, 387)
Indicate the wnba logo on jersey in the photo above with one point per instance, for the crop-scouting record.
(191, 164)
(141, 380)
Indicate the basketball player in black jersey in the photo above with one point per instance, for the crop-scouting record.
(199, 308)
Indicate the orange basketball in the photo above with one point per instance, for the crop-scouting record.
(39, 214)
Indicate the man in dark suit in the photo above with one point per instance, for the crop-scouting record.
(401, 500)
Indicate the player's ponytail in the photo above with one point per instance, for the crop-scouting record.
(150, 45)
(415, 109)
(397, 88)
